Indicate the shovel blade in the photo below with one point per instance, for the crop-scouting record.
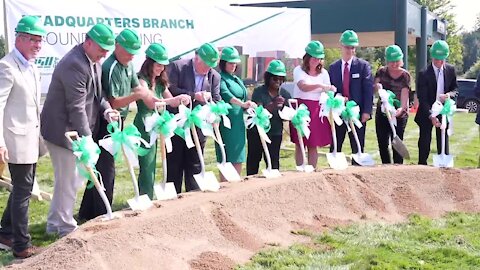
(165, 191)
(229, 172)
(305, 168)
(337, 161)
(207, 181)
(140, 203)
(443, 161)
(272, 173)
(400, 147)
(363, 159)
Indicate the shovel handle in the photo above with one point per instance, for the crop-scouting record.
(334, 133)
(160, 106)
(71, 136)
(218, 135)
(293, 101)
(265, 148)
(355, 135)
(163, 152)
(199, 147)
(132, 173)
(389, 116)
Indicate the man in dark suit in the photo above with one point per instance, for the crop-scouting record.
(437, 81)
(352, 77)
(477, 120)
(74, 102)
(197, 78)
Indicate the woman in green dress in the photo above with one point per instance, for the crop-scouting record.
(153, 75)
(234, 92)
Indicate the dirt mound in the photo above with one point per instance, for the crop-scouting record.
(219, 230)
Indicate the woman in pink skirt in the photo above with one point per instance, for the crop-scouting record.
(311, 79)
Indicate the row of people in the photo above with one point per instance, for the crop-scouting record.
(85, 95)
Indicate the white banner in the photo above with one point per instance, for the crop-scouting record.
(181, 27)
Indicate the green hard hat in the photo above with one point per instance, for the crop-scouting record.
(129, 40)
(439, 50)
(315, 49)
(230, 54)
(158, 53)
(209, 54)
(349, 38)
(31, 25)
(103, 35)
(393, 53)
(277, 67)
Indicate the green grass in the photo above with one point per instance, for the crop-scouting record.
(465, 142)
(451, 242)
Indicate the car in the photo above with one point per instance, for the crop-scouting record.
(466, 98)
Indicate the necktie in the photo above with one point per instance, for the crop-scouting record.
(440, 82)
(346, 81)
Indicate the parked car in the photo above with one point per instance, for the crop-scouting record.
(466, 95)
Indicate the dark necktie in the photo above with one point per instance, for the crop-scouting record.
(346, 81)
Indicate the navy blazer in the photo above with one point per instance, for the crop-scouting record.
(361, 82)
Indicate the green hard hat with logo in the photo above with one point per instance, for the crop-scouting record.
(277, 67)
(439, 50)
(209, 54)
(158, 53)
(349, 38)
(31, 25)
(129, 40)
(230, 54)
(315, 49)
(393, 53)
(103, 35)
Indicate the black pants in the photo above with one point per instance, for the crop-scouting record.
(426, 138)
(183, 162)
(255, 151)
(92, 204)
(342, 131)
(15, 216)
(385, 136)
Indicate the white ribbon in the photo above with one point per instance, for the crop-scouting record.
(437, 108)
(250, 122)
(384, 95)
(287, 113)
(150, 122)
(325, 110)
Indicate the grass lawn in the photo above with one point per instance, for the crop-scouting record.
(465, 147)
(451, 242)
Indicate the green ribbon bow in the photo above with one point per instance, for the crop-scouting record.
(301, 117)
(332, 102)
(192, 117)
(447, 108)
(392, 100)
(261, 118)
(162, 124)
(348, 113)
(87, 152)
(220, 108)
(130, 133)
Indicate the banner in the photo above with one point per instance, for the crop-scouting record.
(181, 27)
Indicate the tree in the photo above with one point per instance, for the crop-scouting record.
(2, 47)
(473, 71)
(471, 47)
(443, 9)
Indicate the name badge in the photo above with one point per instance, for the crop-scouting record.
(355, 76)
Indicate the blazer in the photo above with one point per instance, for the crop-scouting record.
(361, 82)
(477, 94)
(20, 92)
(427, 90)
(182, 80)
(73, 103)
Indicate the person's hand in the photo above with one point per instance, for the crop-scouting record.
(143, 93)
(279, 101)
(333, 88)
(379, 86)
(400, 111)
(443, 97)
(249, 104)
(112, 115)
(151, 100)
(3, 155)
(365, 117)
(203, 96)
(181, 99)
(435, 122)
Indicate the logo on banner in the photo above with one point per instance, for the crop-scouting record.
(47, 64)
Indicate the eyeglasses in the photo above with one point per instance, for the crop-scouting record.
(31, 39)
(278, 78)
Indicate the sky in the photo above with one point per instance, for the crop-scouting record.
(465, 10)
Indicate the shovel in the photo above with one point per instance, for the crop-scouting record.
(305, 167)
(226, 168)
(165, 190)
(363, 159)
(268, 172)
(443, 160)
(71, 135)
(336, 160)
(397, 143)
(206, 181)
